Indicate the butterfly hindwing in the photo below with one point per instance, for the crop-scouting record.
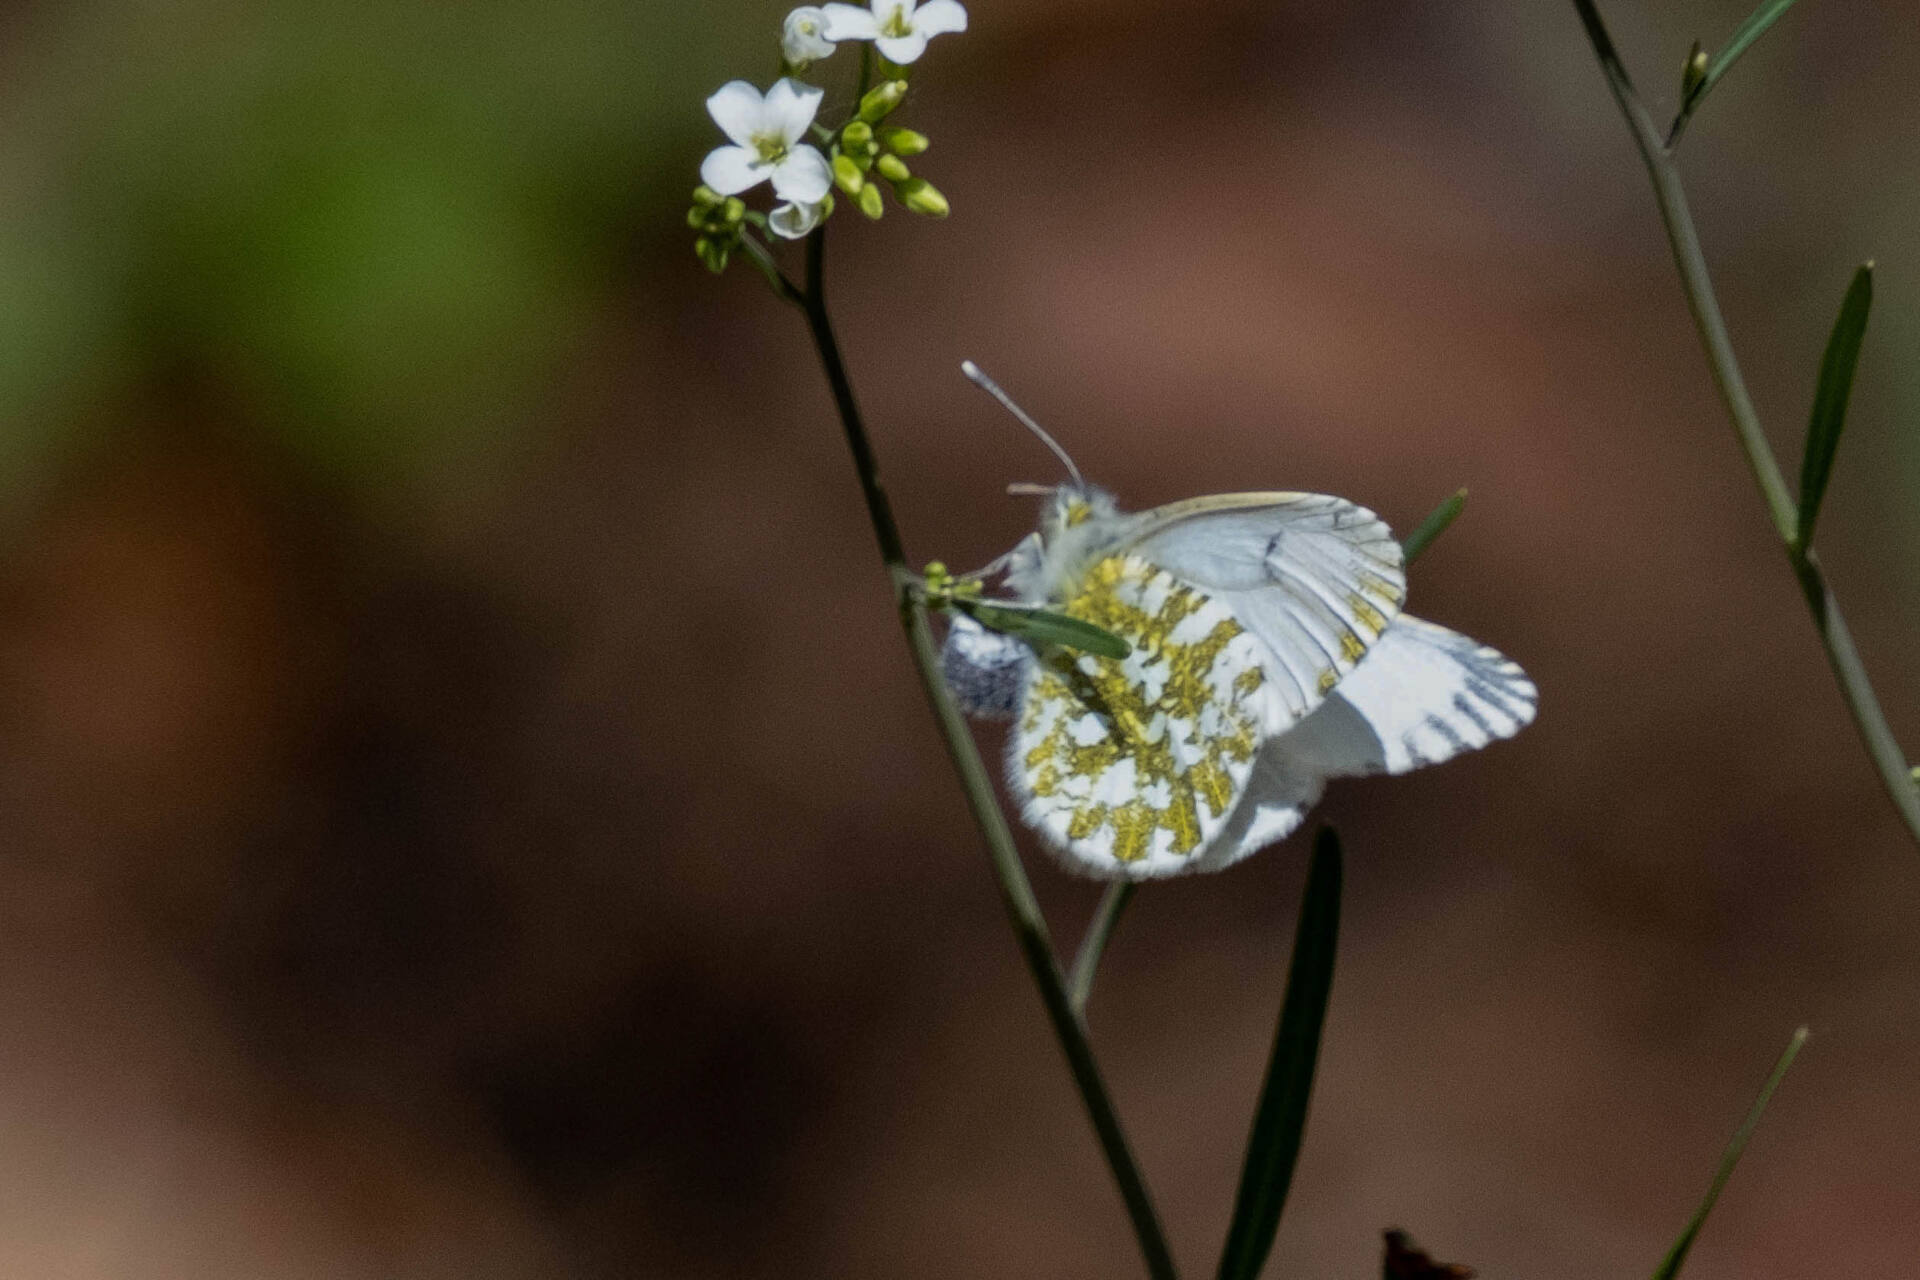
(1131, 766)
(1425, 694)
(1422, 695)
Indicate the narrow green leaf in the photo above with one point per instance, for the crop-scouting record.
(1433, 526)
(1830, 399)
(1281, 1117)
(1676, 1256)
(1043, 626)
(1769, 12)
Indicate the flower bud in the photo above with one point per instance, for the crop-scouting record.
(696, 217)
(892, 168)
(922, 196)
(706, 197)
(904, 142)
(882, 99)
(733, 211)
(846, 174)
(712, 253)
(869, 201)
(1694, 74)
(857, 135)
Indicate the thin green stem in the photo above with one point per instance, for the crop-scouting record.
(763, 260)
(813, 301)
(1677, 1256)
(1016, 891)
(1888, 759)
(1769, 12)
(1106, 917)
(1694, 279)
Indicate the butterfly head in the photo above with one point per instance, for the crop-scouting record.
(1072, 506)
(1076, 520)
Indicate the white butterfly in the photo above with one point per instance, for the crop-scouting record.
(1269, 654)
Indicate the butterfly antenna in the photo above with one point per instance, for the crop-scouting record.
(979, 379)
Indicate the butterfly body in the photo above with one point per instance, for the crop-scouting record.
(1247, 615)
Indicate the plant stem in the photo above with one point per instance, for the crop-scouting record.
(1016, 891)
(763, 260)
(813, 301)
(1106, 917)
(1888, 759)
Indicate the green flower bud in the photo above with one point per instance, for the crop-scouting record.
(881, 100)
(1694, 74)
(869, 200)
(846, 174)
(734, 210)
(857, 135)
(712, 253)
(892, 169)
(706, 197)
(696, 217)
(904, 142)
(826, 206)
(938, 581)
(922, 196)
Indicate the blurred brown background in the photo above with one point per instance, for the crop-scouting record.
(467, 811)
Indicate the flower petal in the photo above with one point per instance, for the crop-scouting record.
(790, 109)
(731, 170)
(803, 177)
(792, 221)
(902, 49)
(850, 22)
(940, 17)
(737, 107)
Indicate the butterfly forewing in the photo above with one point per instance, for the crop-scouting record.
(1316, 578)
(1132, 766)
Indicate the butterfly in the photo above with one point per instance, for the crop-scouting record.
(1268, 653)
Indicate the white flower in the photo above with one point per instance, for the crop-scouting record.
(801, 40)
(766, 133)
(897, 28)
(792, 220)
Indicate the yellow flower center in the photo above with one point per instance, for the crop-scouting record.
(895, 23)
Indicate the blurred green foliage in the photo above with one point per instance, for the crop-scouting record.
(380, 224)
